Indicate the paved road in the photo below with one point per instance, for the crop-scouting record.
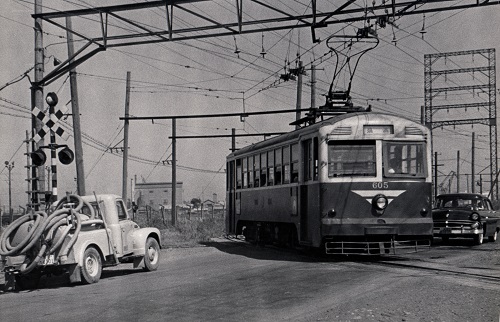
(230, 280)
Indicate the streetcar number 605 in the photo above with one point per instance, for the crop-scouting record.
(380, 185)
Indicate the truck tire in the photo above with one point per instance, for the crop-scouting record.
(92, 266)
(152, 255)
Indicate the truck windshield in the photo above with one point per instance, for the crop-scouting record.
(404, 159)
(354, 158)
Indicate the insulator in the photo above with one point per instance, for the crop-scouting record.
(263, 52)
(423, 31)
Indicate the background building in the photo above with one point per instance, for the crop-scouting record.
(156, 194)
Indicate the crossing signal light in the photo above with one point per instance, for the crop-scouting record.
(38, 157)
(52, 99)
(66, 156)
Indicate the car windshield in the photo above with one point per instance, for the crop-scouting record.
(459, 202)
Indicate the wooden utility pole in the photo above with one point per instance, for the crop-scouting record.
(299, 94)
(37, 173)
(174, 173)
(313, 86)
(435, 174)
(473, 178)
(125, 141)
(75, 111)
(233, 139)
(458, 171)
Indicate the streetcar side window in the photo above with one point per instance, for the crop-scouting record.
(256, 173)
(311, 159)
(404, 159)
(295, 163)
(308, 163)
(277, 166)
(250, 171)
(239, 174)
(263, 169)
(353, 158)
(230, 177)
(270, 168)
(286, 164)
(245, 172)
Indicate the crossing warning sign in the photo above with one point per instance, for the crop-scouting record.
(50, 122)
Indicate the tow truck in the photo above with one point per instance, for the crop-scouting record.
(77, 235)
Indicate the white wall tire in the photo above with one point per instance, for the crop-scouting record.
(478, 239)
(494, 237)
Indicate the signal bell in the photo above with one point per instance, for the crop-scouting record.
(66, 156)
(38, 157)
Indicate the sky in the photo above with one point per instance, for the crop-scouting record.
(206, 76)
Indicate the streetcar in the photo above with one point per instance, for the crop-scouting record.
(354, 183)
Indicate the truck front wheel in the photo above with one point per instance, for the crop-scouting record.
(92, 266)
(152, 255)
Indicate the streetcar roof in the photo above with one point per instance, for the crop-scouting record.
(292, 135)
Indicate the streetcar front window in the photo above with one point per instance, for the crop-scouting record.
(351, 158)
(404, 159)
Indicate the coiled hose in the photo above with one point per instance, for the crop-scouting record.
(43, 232)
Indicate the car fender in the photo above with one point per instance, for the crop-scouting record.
(140, 236)
(491, 225)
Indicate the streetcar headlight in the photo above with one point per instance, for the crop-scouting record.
(424, 212)
(380, 202)
(474, 216)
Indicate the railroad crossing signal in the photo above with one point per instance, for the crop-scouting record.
(50, 121)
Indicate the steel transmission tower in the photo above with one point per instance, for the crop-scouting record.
(463, 84)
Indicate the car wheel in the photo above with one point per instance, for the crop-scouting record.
(92, 266)
(493, 238)
(478, 239)
(152, 255)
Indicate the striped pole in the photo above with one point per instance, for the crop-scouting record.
(53, 165)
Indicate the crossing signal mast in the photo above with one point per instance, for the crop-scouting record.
(39, 157)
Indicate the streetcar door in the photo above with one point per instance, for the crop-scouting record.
(307, 176)
(231, 196)
(303, 205)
